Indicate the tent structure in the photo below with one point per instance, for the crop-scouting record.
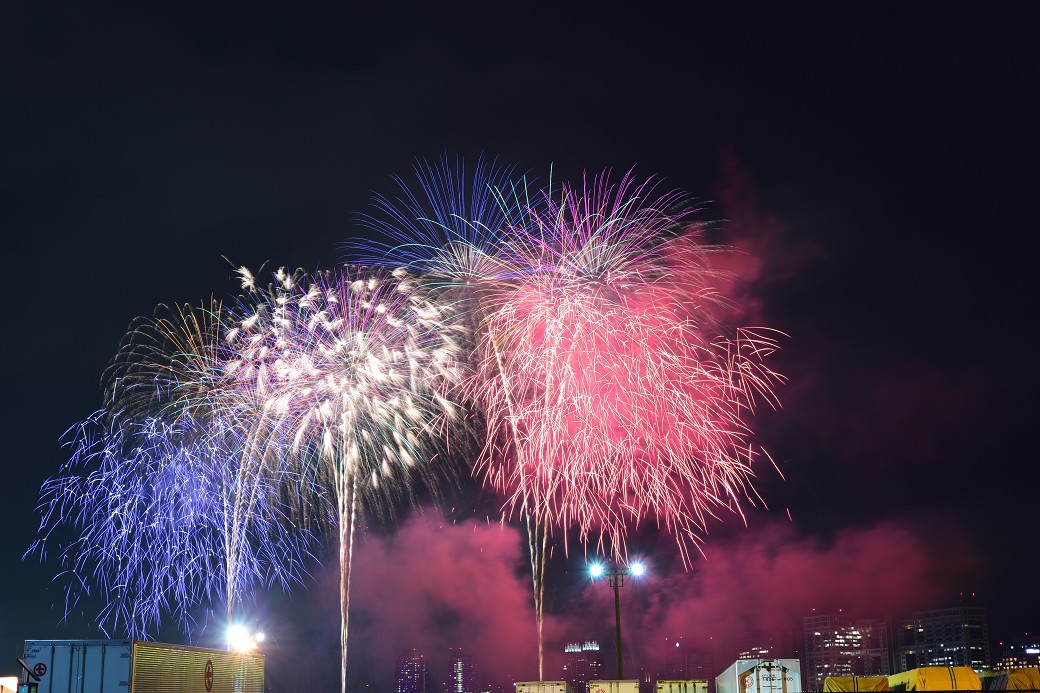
(1021, 679)
(936, 679)
(850, 684)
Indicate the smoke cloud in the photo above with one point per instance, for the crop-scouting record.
(434, 585)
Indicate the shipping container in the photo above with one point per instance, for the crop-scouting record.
(543, 687)
(761, 676)
(614, 686)
(682, 686)
(137, 666)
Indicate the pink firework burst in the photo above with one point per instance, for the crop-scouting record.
(613, 396)
(613, 393)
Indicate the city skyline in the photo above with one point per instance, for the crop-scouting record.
(868, 172)
(837, 644)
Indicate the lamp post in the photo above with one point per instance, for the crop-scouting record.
(616, 579)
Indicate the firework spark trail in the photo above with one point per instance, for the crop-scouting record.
(353, 372)
(453, 230)
(612, 396)
(622, 399)
(600, 393)
(610, 392)
(458, 232)
(178, 364)
(170, 505)
(151, 504)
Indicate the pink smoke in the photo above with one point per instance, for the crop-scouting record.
(435, 585)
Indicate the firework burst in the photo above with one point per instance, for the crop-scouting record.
(157, 513)
(352, 374)
(452, 228)
(612, 394)
(168, 500)
(604, 371)
(580, 325)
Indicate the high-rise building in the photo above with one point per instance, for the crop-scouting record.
(462, 675)
(776, 643)
(1019, 652)
(584, 664)
(957, 636)
(681, 661)
(677, 659)
(412, 673)
(840, 645)
(701, 665)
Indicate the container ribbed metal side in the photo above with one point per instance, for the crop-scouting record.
(159, 668)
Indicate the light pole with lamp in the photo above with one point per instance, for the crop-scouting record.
(616, 579)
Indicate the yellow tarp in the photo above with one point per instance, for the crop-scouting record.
(845, 684)
(1023, 679)
(936, 679)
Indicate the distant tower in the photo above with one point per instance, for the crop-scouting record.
(958, 636)
(462, 676)
(584, 664)
(839, 645)
(412, 673)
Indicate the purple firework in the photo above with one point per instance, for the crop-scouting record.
(166, 501)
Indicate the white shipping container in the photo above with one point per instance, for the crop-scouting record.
(761, 676)
(80, 666)
(614, 686)
(682, 686)
(543, 687)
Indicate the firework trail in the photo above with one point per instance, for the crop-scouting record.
(459, 231)
(604, 368)
(602, 371)
(353, 374)
(582, 324)
(168, 503)
(154, 514)
(612, 395)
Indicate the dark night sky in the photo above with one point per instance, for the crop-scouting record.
(878, 165)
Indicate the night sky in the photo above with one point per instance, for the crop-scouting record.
(876, 167)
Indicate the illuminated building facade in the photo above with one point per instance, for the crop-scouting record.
(683, 663)
(584, 664)
(462, 676)
(412, 673)
(1016, 653)
(839, 645)
(764, 644)
(943, 637)
(680, 664)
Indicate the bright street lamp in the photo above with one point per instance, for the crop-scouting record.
(616, 579)
(239, 639)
